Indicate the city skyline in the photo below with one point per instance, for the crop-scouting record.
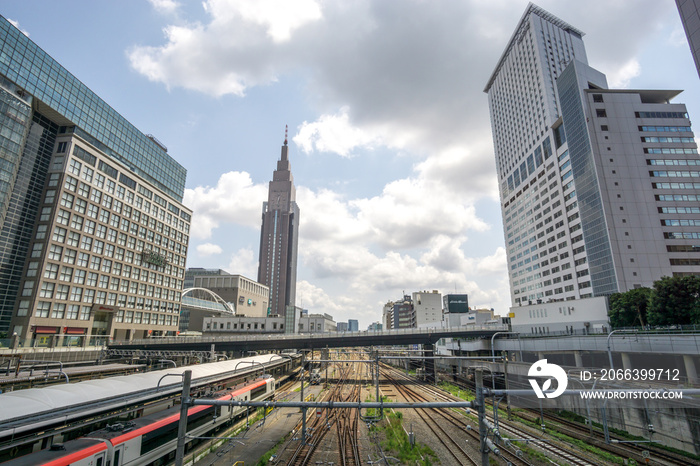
(385, 124)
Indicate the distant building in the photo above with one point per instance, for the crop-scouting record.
(353, 325)
(342, 326)
(279, 239)
(402, 313)
(455, 303)
(243, 325)
(317, 323)
(309, 323)
(427, 306)
(455, 307)
(388, 315)
(249, 297)
(374, 327)
(479, 317)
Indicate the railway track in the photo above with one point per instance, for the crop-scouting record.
(625, 450)
(452, 445)
(596, 437)
(345, 420)
(567, 454)
(446, 423)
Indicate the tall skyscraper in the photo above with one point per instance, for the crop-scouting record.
(279, 237)
(598, 187)
(94, 233)
(690, 17)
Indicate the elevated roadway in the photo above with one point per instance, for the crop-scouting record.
(249, 342)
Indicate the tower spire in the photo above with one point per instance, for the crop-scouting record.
(285, 134)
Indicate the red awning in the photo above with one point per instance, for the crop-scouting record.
(75, 331)
(39, 329)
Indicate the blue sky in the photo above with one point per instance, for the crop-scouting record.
(390, 141)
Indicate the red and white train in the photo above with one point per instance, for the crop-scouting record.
(150, 440)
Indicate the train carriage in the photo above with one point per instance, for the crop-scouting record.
(150, 440)
(33, 419)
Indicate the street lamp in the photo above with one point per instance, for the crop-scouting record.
(520, 346)
(610, 359)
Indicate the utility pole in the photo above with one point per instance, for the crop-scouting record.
(505, 377)
(303, 409)
(182, 425)
(481, 409)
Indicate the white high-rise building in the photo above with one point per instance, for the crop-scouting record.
(428, 308)
(598, 187)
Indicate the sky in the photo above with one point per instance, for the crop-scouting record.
(389, 130)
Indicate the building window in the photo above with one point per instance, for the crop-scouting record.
(42, 309)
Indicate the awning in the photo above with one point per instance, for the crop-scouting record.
(39, 329)
(75, 331)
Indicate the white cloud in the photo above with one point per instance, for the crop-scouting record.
(678, 38)
(16, 24)
(333, 133)
(235, 199)
(620, 78)
(209, 249)
(404, 75)
(312, 297)
(167, 7)
(279, 17)
(244, 262)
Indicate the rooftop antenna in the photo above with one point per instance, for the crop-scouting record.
(285, 134)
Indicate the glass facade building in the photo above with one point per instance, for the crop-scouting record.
(94, 234)
(36, 73)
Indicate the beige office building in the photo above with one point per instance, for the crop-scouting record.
(107, 258)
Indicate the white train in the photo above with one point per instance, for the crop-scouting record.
(148, 440)
(32, 419)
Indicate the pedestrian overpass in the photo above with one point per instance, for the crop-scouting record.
(265, 342)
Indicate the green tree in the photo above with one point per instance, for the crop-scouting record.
(675, 301)
(629, 309)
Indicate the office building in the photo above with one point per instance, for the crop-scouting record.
(690, 17)
(399, 314)
(598, 187)
(427, 306)
(455, 303)
(374, 327)
(94, 233)
(353, 325)
(279, 239)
